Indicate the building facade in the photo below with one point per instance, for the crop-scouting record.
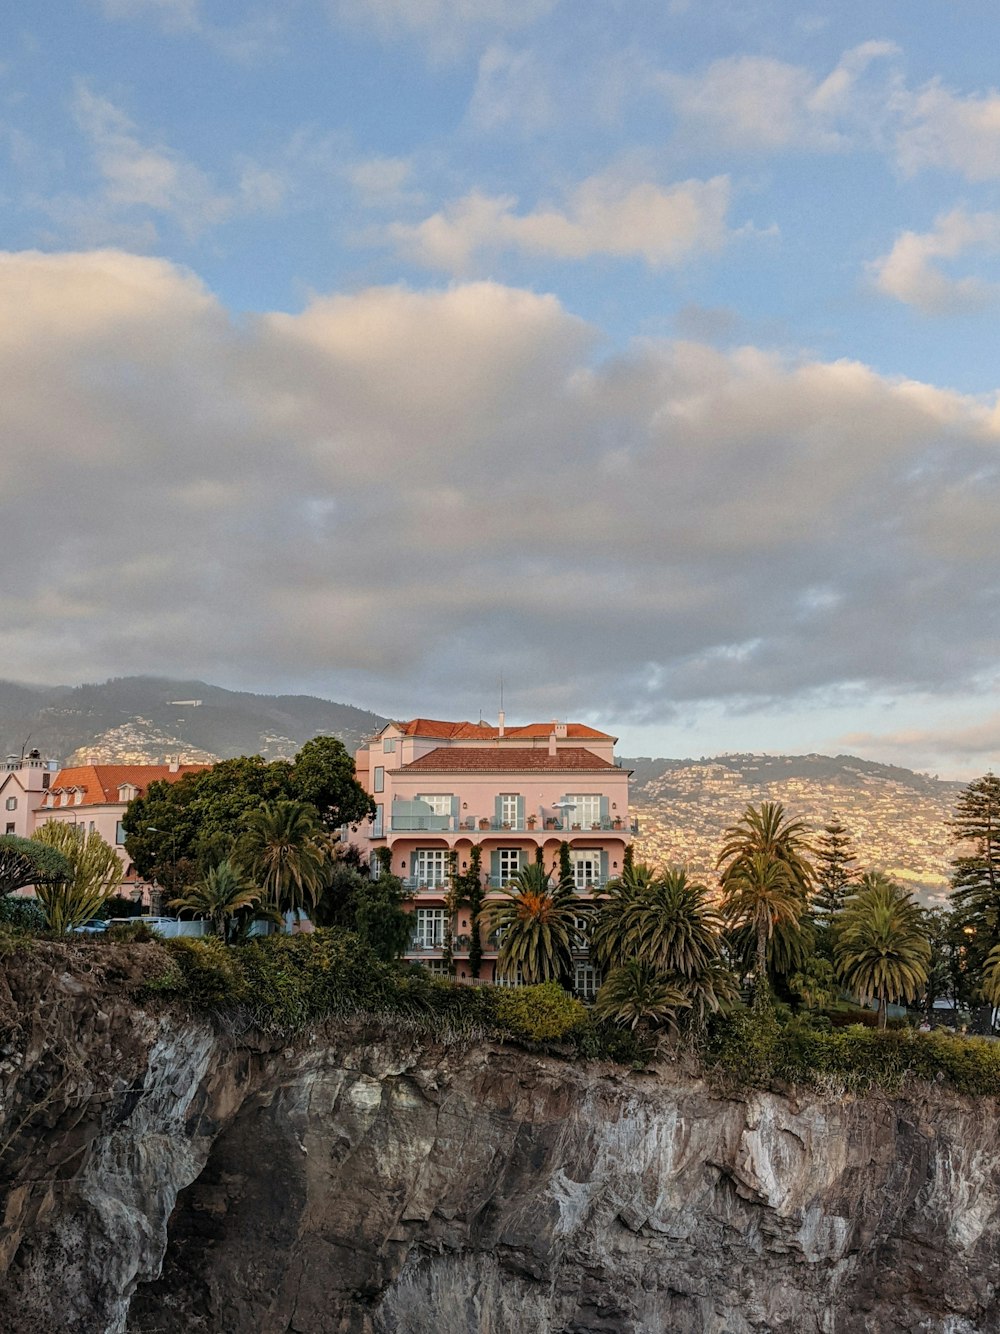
(518, 793)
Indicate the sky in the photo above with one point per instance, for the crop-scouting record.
(641, 353)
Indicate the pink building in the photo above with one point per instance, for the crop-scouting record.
(24, 785)
(95, 796)
(441, 788)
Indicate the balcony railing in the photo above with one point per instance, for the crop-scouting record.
(418, 946)
(423, 884)
(595, 883)
(452, 824)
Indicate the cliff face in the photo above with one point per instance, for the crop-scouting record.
(172, 1178)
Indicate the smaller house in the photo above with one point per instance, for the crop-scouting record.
(94, 797)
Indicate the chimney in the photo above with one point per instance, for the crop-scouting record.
(560, 730)
(174, 765)
(552, 743)
(501, 722)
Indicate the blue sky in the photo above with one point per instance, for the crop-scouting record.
(645, 353)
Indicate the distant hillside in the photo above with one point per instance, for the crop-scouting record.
(141, 719)
(897, 818)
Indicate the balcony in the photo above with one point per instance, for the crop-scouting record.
(425, 950)
(420, 884)
(594, 885)
(484, 826)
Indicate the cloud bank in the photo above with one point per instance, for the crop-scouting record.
(432, 487)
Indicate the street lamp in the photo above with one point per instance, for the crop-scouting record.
(172, 835)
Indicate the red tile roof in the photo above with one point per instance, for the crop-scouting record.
(100, 782)
(489, 759)
(431, 727)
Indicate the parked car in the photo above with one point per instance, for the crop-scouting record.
(95, 928)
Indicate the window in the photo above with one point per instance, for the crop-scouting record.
(119, 833)
(439, 802)
(586, 981)
(377, 822)
(388, 745)
(436, 967)
(430, 866)
(509, 809)
(379, 785)
(429, 932)
(586, 867)
(12, 803)
(508, 864)
(10, 827)
(588, 809)
(46, 779)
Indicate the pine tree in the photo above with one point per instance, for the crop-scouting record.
(975, 876)
(976, 872)
(835, 869)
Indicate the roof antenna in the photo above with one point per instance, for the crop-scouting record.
(500, 728)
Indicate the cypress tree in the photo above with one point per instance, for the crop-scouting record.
(975, 878)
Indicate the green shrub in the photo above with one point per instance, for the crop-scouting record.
(210, 972)
(136, 933)
(544, 1013)
(23, 914)
(744, 1043)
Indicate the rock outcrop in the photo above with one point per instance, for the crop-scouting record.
(162, 1176)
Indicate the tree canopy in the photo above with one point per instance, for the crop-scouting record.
(177, 831)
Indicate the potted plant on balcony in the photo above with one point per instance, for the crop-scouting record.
(595, 824)
(551, 822)
(484, 823)
(531, 821)
(616, 823)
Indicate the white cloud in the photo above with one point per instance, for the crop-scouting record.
(662, 225)
(956, 133)
(962, 748)
(909, 272)
(512, 88)
(756, 102)
(383, 182)
(142, 183)
(393, 491)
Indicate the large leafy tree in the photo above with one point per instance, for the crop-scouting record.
(323, 775)
(96, 873)
(374, 909)
(219, 895)
(881, 947)
(537, 921)
(176, 831)
(25, 862)
(283, 852)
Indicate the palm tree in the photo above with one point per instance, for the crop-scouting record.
(991, 977)
(638, 994)
(283, 852)
(537, 923)
(709, 988)
(219, 895)
(881, 950)
(609, 930)
(767, 831)
(760, 892)
(672, 925)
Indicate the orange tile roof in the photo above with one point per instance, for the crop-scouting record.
(100, 782)
(431, 727)
(487, 759)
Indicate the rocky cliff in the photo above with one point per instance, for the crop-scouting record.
(162, 1175)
